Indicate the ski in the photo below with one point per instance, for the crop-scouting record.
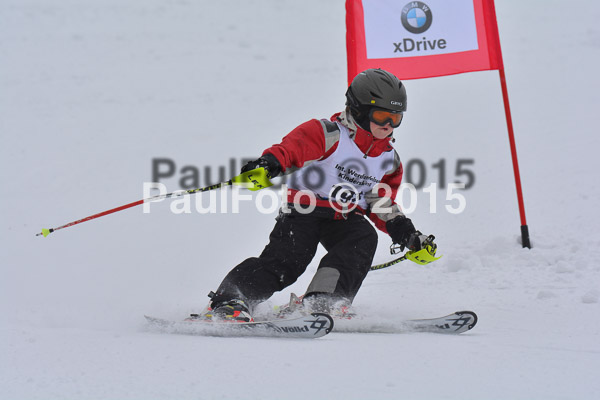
(311, 326)
(458, 322)
(455, 323)
(348, 321)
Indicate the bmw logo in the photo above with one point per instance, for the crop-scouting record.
(416, 17)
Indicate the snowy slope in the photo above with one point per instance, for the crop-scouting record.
(92, 91)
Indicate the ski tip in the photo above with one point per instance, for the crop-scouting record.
(469, 313)
(322, 321)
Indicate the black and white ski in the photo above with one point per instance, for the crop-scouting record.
(348, 321)
(455, 323)
(310, 326)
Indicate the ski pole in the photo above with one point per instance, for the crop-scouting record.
(422, 257)
(253, 180)
(388, 264)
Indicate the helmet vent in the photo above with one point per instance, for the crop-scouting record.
(375, 95)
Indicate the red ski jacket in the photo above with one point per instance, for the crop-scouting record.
(307, 142)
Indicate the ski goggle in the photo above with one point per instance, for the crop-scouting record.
(382, 117)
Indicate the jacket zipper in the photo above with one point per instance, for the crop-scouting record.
(369, 149)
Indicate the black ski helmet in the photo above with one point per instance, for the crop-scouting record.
(374, 88)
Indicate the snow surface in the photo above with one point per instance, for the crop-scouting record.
(91, 91)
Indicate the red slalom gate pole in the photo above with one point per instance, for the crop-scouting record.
(513, 151)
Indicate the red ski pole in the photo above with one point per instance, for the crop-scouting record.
(253, 180)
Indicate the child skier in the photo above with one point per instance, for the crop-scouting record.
(345, 169)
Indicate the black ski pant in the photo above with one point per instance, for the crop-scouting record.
(350, 245)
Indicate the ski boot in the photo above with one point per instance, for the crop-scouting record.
(301, 305)
(234, 310)
(337, 307)
(293, 308)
